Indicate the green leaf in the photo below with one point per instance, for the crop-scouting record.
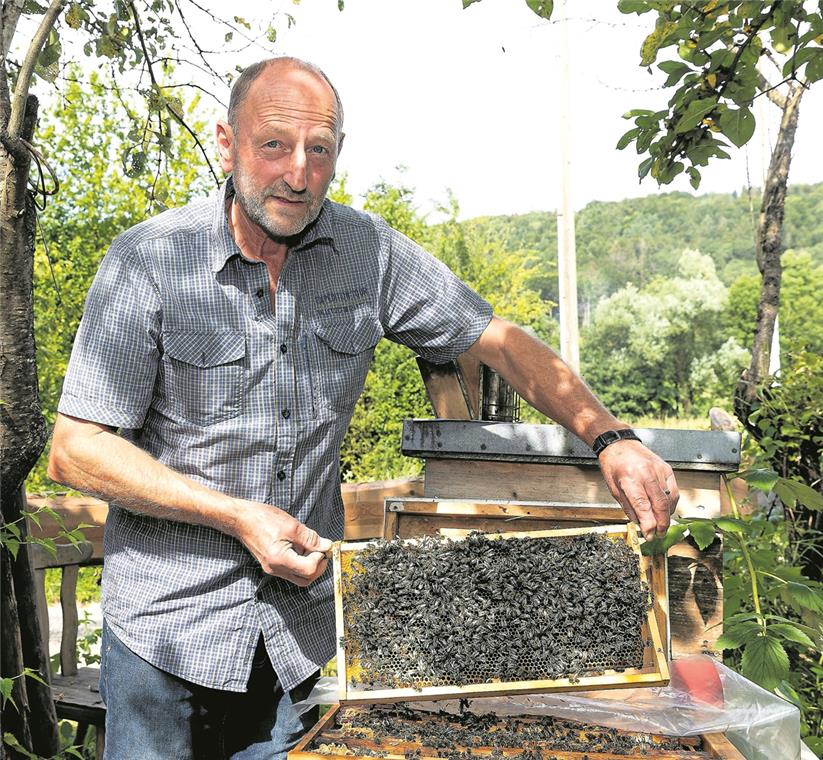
(790, 491)
(13, 545)
(814, 69)
(6, 686)
(31, 7)
(738, 635)
(737, 125)
(703, 533)
(694, 177)
(791, 633)
(341, 5)
(633, 6)
(761, 479)
(637, 112)
(696, 111)
(240, 20)
(467, 3)
(661, 545)
(628, 137)
(788, 692)
(74, 16)
(765, 662)
(730, 525)
(804, 595)
(34, 675)
(228, 37)
(542, 8)
(653, 43)
(13, 529)
(675, 69)
(643, 168)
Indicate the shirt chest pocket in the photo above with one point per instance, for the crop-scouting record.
(205, 375)
(342, 350)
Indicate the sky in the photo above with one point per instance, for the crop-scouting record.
(466, 100)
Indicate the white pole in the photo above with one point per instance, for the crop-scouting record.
(566, 256)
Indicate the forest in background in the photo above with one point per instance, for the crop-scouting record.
(668, 284)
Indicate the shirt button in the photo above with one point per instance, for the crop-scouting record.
(260, 292)
(281, 475)
(286, 413)
(283, 348)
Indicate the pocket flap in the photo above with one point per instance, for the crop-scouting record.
(350, 337)
(205, 349)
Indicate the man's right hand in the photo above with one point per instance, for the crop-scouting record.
(283, 546)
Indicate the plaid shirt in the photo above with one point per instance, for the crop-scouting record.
(180, 348)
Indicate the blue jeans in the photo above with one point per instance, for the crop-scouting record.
(153, 715)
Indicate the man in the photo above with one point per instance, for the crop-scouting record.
(229, 341)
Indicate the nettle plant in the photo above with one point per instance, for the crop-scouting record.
(773, 615)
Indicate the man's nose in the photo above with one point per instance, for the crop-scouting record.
(296, 175)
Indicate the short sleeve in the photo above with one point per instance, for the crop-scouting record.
(425, 306)
(111, 374)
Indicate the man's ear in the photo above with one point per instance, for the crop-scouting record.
(340, 143)
(225, 138)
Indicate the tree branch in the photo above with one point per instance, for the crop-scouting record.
(197, 142)
(770, 90)
(194, 42)
(10, 15)
(21, 91)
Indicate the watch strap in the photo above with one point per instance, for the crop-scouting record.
(612, 436)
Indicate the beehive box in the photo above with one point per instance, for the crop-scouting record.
(475, 460)
(401, 733)
(472, 617)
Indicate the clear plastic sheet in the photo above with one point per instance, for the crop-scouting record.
(703, 697)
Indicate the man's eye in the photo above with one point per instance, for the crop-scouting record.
(273, 144)
(318, 149)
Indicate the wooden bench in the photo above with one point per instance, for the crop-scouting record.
(74, 690)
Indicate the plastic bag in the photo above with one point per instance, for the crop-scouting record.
(704, 696)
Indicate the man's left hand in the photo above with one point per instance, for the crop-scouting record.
(642, 483)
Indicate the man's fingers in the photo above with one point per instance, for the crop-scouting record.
(306, 540)
(288, 563)
(641, 504)
(672, 492)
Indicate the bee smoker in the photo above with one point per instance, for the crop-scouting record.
(499, 402)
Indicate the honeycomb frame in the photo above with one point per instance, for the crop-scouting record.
(654, 671)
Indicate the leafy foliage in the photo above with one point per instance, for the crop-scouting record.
(717, 48)
(95, 204)
(658, 350)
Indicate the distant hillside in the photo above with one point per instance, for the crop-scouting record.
(637, 239)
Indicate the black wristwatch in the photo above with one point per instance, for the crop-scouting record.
(612, 436)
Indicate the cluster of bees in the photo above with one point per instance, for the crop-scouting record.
(385, 729)
(438, 612)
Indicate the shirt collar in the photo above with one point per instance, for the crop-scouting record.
(224, 247)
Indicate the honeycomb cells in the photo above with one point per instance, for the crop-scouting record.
(438, 612)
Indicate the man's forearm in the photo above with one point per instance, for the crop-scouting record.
(544, 380)
(93, 459)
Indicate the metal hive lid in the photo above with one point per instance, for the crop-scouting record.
(552, 444)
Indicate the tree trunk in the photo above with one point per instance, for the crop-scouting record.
(768, 249)
(22, 435)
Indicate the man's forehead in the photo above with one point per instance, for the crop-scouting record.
(287, 93)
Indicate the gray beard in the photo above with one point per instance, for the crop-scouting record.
(254, 206)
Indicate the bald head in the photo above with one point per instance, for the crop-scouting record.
(243, 83)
